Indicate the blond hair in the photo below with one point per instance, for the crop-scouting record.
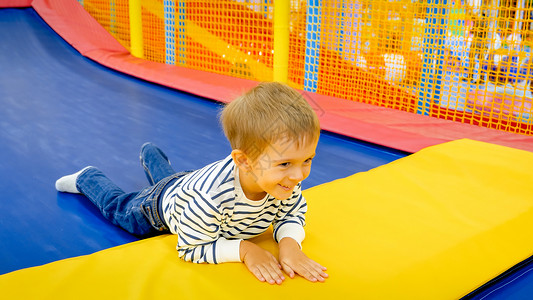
(267, 113)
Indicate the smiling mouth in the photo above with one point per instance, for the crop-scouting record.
(286, 188)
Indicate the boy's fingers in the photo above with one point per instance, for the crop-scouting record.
(318, 266)
(270, 275)
(276, 273)
(321, 277)
(257, 273)
(288, 270)
(262, 274)
(313, 274)
(320, 270)
(265, 274)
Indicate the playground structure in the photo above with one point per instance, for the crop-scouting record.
(413, 56)
(76, 113)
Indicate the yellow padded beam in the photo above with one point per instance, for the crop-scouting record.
(282, 12)
(434, 225)
(136, 28)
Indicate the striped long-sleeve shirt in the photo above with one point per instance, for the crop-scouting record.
(209, 212)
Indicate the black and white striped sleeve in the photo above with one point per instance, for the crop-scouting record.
(199, 238)
(290, 221)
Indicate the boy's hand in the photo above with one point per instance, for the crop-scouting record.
(293, 260)
(261, 263)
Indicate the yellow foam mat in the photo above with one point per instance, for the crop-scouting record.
(434, 225)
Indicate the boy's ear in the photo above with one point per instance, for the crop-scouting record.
(241, 159)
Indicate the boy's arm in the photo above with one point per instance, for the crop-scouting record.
(199, 242)
(198, 231)
(207, 249)
(289, 233)
(291, 221)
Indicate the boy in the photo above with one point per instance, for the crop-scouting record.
(273, 133)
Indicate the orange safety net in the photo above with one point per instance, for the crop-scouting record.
(446, 59)
(113, 16)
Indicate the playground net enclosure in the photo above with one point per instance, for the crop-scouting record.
(467, 62)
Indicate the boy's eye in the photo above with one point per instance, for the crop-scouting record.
(309, 160)
(285, 164)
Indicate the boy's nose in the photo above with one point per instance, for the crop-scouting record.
(297, 174)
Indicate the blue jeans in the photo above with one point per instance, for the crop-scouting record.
(138, 212)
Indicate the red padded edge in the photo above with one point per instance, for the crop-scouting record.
(15, 3)
(70, 20)
(392, 128)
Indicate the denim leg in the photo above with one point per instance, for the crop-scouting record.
(155, 163)
(122, 209)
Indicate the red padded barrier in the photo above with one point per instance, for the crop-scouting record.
(15, 3)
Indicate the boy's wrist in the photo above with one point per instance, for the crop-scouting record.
(288, 247)
(243, 248)
(288, 242)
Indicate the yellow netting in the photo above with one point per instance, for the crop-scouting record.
(464, 61)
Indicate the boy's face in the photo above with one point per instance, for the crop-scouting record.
(279, 168)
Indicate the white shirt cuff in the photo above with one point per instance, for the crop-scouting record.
(291, 230)
(228, 250)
